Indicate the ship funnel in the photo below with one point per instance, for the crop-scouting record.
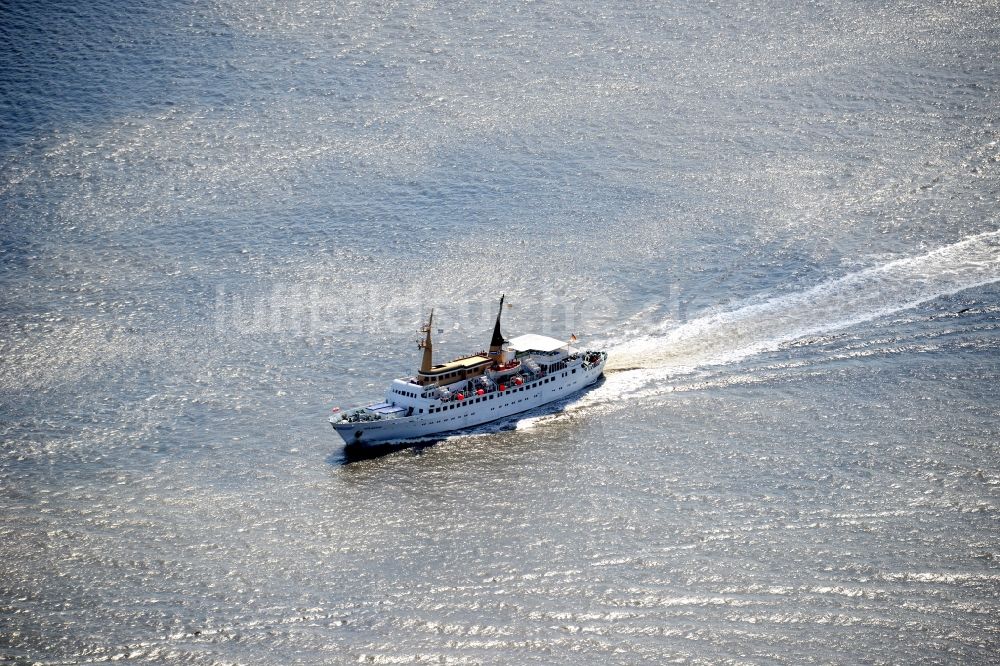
(427, 345)
(496, 344)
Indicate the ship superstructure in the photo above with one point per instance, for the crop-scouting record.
(513, 376)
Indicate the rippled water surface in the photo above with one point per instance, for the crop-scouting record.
(221, 219)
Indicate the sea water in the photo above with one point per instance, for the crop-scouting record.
(219, 221)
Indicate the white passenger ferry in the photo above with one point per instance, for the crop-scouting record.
(514, 376)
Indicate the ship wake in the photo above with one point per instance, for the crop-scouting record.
(643, 365)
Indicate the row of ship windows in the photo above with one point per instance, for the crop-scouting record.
(491, 408)
(435, 410)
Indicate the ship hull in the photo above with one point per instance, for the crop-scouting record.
(469, 414)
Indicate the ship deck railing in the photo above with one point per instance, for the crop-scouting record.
(470, 390)
(377, 412)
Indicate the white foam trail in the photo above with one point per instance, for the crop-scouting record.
(899, 285)
(728, 337)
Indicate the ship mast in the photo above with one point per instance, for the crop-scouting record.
(427, 346)
(496, 344)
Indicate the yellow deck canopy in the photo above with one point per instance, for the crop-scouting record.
(466, 363)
